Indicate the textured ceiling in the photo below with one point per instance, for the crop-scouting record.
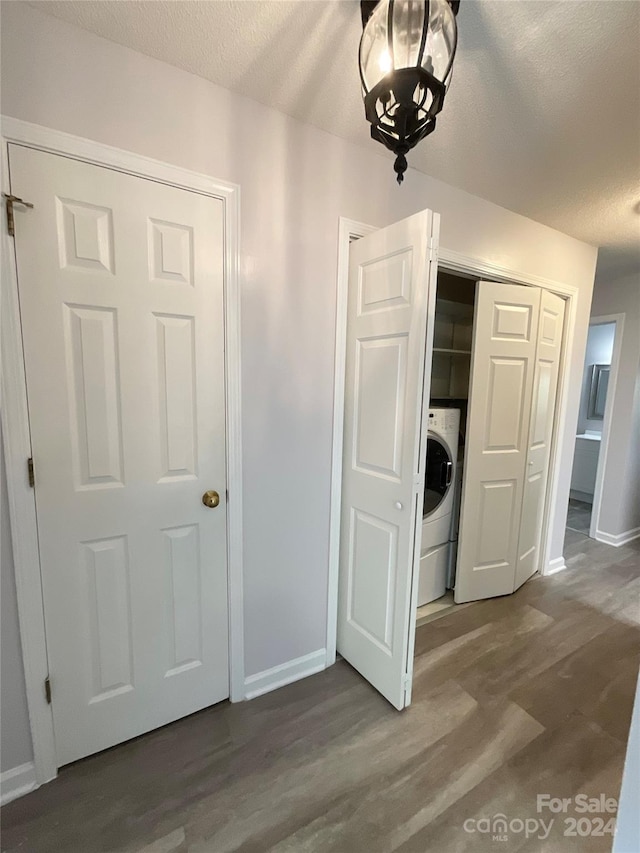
(542, 117)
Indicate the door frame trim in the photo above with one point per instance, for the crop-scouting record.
(601, 469)
(15, 422)
(475, 267)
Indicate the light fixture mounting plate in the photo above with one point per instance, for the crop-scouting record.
(367, 7)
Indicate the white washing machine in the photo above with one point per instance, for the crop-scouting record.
(438, 506)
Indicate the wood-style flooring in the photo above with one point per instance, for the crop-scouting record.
(514, 697)
(579, 516)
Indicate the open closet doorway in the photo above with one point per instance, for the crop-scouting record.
(594, 423)
(491, 355)
(449, 396)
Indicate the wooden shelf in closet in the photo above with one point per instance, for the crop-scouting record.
(452, 351)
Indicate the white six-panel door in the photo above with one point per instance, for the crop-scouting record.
(121, 295)
(545, 385)
(500, 396)
(382, 484)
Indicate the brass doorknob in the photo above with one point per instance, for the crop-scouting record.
(211, 499)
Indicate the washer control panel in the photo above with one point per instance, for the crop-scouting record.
(444, 420)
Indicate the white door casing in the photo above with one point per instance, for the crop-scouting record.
(128, 431)
(383, 480)
(500, 395)
(545, 385)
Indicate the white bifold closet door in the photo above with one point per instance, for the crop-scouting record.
(121, 294)
(391, 279)
(543, 408)
(514, 374)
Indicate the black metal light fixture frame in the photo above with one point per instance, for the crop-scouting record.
(397, 120)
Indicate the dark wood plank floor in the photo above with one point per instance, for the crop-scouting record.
(514, 697)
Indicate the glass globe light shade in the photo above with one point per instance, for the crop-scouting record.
(406, 56)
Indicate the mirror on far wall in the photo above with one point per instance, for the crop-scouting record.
(598, 391)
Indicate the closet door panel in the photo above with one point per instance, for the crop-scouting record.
(382, 494)
(502, 378)
(545, 385)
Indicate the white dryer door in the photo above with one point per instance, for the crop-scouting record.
(439, 475)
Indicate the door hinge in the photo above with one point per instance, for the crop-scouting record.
(31, 472)
(47, 689)
(10, 201)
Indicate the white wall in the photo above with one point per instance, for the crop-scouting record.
(15, 742)
(599, 351)
(627, 834)
(296, 181)
(620, 510)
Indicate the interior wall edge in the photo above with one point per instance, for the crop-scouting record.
(620, 490)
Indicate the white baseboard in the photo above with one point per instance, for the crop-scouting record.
(16, 782)
(553, 566)
(618, 539)
(284, 673)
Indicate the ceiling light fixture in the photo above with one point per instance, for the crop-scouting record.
(406, 56)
